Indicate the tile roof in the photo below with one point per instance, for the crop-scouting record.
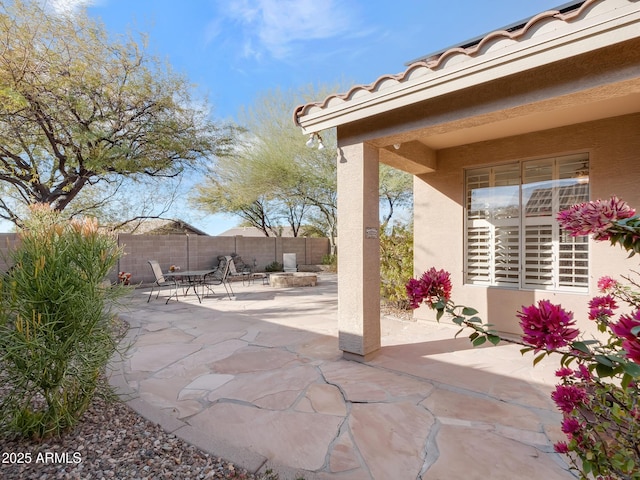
(160, 226)
(455, 55)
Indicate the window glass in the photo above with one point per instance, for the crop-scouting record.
(512, 236)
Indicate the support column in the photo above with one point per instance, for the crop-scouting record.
(358, 251)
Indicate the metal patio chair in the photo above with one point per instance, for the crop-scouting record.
(162, 282)
(220, 277)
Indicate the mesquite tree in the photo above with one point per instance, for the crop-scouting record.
(79, 109)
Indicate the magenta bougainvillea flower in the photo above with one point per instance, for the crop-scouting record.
(583, 373)
(564, 372)
(547, 326)
(568, 397)
(570, 426)
(594, 217)
(432, 285)
(601, 307)
(561, 447)
(606, 284)
(623, 328)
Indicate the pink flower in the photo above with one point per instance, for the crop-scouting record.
(606, 284)
(626, 324)
(594, 217)
(623, 329)
(568, 397)
(632, 347)
(564, 372)
(570, 426)
(583, 373)
(561, 447)
(600, 307)
(547, 326)
(432, 286)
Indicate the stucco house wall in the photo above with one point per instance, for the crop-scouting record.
(566, 81)
(613, 146)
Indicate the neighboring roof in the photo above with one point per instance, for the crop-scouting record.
(254, 232)
(566, 31)
(158, 226)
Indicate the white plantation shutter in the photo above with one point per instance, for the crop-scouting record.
(512, 236)
(538, 256)
(479, 254)
(507, 255)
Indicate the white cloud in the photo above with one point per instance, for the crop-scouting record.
(277, 25)
(67, 7)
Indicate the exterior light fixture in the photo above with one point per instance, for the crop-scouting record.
(312, 139)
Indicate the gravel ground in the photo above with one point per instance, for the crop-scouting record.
(113, 441)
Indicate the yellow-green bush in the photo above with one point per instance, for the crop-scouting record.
(56, 329)
(396, 265)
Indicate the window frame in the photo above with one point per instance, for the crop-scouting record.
(568, 269)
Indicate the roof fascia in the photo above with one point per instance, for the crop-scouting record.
(579, 37)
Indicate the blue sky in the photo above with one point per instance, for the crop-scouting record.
(236, 49)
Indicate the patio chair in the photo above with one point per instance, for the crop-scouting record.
(220, 277)
(162, 282)
(244, 274)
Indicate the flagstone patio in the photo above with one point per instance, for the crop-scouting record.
(259, 380)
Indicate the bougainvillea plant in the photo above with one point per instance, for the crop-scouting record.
(599, 379)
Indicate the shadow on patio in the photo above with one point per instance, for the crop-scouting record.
(260, 381)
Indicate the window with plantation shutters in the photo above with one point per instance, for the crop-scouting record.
(512, 236)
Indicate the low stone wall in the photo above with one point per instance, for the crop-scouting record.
(293, 279)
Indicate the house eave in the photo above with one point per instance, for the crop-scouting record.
(550, 39)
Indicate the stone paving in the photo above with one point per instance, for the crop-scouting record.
(260, 380)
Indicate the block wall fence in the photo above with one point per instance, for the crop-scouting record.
(195, 252)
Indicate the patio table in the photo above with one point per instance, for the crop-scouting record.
(192, 279)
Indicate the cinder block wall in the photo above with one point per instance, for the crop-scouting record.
(7, 242)
(195, 252)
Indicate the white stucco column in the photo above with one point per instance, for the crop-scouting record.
(358, 252)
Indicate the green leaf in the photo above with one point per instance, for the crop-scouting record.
(604, 370)
(468, 311)
(495, 339)
(475, 320)
(479, 341)
(525, 350)
(458, 333)
(603, 360)
(581, 346)
(439, 314)
(632, 369)
(473, 336)
(457, 320)
(539, 358)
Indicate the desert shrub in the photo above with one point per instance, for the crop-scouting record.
(274, 267)
(56, 329)
(331, 260)
(396, 265)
